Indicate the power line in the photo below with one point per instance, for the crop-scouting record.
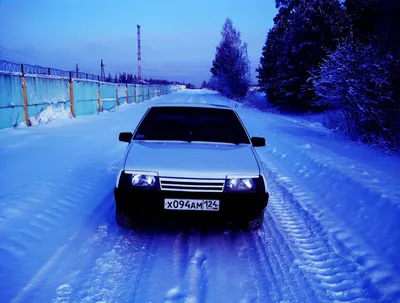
(33, 57)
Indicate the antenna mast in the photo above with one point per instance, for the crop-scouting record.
(139, 54)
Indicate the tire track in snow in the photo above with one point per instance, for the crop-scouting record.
(264, 282)
(180, 250)
(61, 266)
(163, 269)
(343, 234)
(177, 271)
(347, 188)
(122, 257)
(333, 276)
(197, 275)
(44, 221)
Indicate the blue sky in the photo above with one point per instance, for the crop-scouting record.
(178, 37)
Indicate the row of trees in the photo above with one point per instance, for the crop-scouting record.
(130, 78)
(326, 54)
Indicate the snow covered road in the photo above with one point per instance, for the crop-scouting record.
(331, 231)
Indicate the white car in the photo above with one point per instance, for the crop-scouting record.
(193, 161)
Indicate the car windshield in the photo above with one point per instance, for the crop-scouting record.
(192, 124)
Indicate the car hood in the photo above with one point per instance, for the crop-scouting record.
(191, 160)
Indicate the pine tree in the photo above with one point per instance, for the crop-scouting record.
(304, 32)
(129, 78)
(231, 67)
(122, 77)
(204, 84)
(375, 20)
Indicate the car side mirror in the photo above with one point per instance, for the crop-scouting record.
(257, 141)
(125, 137)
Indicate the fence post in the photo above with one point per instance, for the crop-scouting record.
(71, 95)
(148, 91)
(28, 123)
(142, 93)
(116, 99)
(49, 71)
(99, 99)
(127, 94)
(135, 93)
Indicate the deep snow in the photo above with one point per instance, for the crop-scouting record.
(331, 231)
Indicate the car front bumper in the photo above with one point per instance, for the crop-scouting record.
(150, 203)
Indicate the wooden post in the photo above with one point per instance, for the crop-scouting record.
(71, 96)
(127, 94)
(142, 93)
(135, 93)
(99, 99)
(28, 123)
(116, 99)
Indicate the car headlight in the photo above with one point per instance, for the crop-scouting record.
(138, 179)
(143, 180)
(240, 184)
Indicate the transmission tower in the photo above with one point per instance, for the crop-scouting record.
(139, 54)
(103, 74)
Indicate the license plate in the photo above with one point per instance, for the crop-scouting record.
(189, 204)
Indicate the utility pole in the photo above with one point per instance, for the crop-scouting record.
(139, 55)
(103, 74)
(77, 71)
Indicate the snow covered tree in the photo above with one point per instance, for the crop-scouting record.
(304, 32)
(273, 59)
(377, 20)
(357, 80)
(231, 66)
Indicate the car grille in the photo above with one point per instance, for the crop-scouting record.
(192, 185)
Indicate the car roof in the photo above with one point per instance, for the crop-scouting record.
(201, 105)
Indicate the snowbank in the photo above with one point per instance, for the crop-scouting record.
(50, 113)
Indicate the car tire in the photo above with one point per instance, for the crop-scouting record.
(122, 219)
(254, 224)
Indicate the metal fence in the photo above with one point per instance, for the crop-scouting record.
(27, 69)
(27, 91)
